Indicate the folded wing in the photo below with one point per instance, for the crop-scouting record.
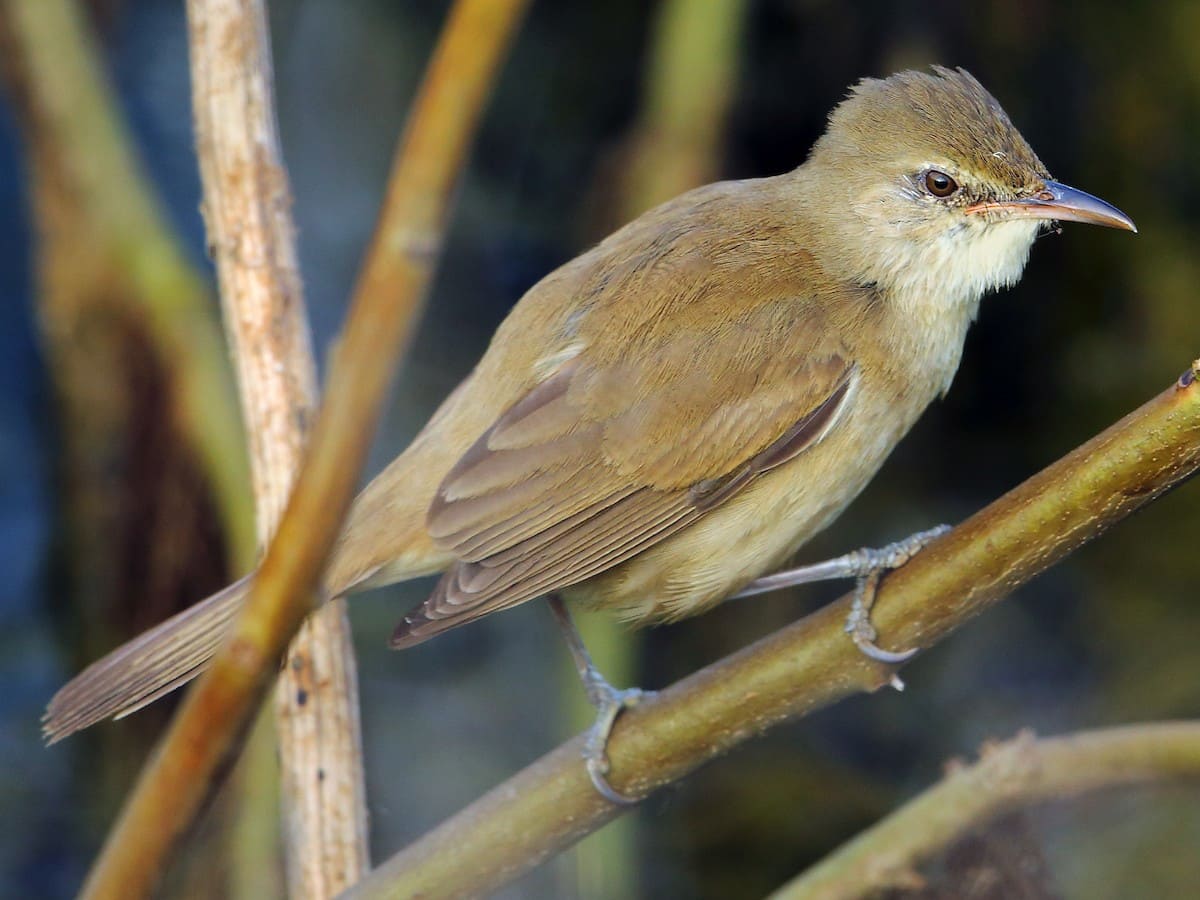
(613, 453)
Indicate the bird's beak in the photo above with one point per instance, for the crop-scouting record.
(1060, 203)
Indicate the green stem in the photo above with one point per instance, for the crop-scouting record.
(1007, 777)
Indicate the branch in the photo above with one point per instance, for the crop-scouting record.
(810, 664)
(207, 730)
(247, 207)
(1007, 777)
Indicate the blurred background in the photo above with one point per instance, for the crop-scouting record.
(120, 502)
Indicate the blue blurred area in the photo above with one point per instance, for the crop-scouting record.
(147, 51)
(36, 859)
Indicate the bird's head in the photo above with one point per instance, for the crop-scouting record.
(926, 188)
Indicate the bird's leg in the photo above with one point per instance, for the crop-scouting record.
(865, 566)
(607, 699)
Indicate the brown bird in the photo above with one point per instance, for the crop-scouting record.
(672, 414)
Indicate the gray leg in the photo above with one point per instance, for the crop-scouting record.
(865, 566)
(607, 699)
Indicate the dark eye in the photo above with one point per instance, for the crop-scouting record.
(939, 183)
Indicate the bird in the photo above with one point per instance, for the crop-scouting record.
(664, 420)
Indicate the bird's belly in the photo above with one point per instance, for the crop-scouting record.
(758, 530)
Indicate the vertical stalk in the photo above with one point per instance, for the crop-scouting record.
(208, 729)
(247, 210)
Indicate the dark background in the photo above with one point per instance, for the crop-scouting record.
(1108, 93)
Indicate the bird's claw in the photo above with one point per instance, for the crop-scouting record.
(609, 703)
(892, 657)
(874, 564)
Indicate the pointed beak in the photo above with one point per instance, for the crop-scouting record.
(1062, 204)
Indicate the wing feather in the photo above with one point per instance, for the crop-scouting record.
(562, 540)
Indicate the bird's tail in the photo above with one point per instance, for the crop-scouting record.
(141, 671)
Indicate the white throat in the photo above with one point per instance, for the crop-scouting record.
(956, 267)
(935, 285)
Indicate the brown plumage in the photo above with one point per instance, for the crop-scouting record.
(673, 413)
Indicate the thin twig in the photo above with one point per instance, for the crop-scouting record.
(247, 207)
(1008, 776)
(207, 729)
(810, 664)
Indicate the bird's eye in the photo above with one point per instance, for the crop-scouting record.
(939, 183)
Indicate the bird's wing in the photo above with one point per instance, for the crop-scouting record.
(620, 448)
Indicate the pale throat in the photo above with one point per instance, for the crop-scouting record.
(935, 281)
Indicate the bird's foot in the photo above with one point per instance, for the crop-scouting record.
(869, 565)
(609, 703)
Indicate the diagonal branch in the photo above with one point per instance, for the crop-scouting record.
(1008, 776)
(208, 728)
(810, 664)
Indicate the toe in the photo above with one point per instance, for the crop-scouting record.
(597, 769)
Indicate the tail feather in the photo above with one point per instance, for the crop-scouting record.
(146, 668)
